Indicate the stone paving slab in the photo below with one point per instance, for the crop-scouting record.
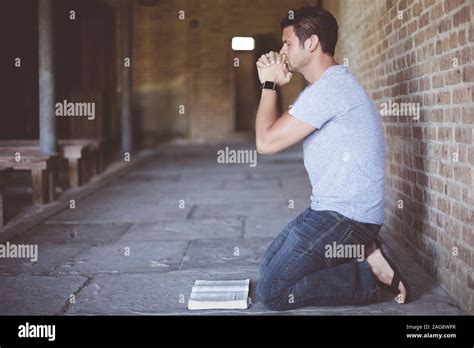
(114, 198)
(178, 164)
(215, 173)
(122, 211)
(158, 190)
(173, 194)
(206, 180)
(235, 209)
(228, 252)
(252, 184)
(159, 168)
(153, 293)
(185, 230)
(50, 257)
(235, 195)
(61, 233)
(37, 295)
(257, 226)
(148, 177)
(144, 256)
(288, 204)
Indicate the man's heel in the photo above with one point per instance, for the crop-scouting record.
(397, 275)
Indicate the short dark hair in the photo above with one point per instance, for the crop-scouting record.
(313, 20)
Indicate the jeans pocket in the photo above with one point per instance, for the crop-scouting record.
(352, 243)
(363, 233)
(323, 222)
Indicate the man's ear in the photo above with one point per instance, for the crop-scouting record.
(313, 43)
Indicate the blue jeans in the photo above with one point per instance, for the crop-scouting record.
(297, 271)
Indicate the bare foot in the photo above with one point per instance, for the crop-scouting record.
(369, 249)
(384, 273)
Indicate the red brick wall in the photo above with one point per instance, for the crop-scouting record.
(426, 58)
(176, 64)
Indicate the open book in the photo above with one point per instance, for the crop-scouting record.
(219, 294)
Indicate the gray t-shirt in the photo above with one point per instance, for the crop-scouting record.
(345, 156)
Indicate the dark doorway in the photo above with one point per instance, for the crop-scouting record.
(19, 69)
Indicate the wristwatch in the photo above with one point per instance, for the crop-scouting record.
(270, 85)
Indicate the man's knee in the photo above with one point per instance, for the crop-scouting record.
(272, 301)
(262, 267)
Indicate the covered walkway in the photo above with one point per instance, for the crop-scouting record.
(135, 245)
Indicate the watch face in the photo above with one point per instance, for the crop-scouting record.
(269, 85)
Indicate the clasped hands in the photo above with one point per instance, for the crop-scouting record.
(273, 67)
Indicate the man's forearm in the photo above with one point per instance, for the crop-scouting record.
(267, 114)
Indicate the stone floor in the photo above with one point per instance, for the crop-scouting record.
(136, 245)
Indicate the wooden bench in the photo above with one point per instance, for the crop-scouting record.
(84, 156)
(42, 167)
(4, 176)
